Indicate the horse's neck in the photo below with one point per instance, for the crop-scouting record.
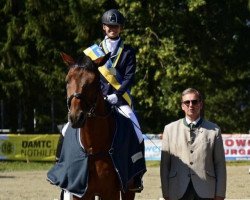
(97, 133)
(101, 108)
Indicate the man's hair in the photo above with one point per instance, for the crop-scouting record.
(193, 91)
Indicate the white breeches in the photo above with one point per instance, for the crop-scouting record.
(126, 111)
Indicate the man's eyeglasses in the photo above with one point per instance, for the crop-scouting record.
(194, 102)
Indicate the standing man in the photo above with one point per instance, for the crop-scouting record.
(192, 160)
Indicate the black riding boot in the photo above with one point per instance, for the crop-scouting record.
(138, 183)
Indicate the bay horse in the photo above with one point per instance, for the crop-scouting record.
(88, 111)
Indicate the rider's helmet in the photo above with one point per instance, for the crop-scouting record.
(113, 17)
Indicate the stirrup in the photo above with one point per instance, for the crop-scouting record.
(136, 189)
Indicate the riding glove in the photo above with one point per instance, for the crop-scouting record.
(112, 98)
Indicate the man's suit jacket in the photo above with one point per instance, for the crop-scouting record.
(202, 162)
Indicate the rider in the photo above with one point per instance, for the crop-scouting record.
(123, 68)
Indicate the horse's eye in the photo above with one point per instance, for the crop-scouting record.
(84, 86)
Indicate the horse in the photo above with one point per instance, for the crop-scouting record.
(88, 111)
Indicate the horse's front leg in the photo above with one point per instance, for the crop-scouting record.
(87, 196)
(114, 196)
(128, 195)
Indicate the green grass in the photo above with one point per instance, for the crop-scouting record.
(238, 163)
(229, 163)
(153, 163)
(29, 166)
(24, 166)
(6, 166)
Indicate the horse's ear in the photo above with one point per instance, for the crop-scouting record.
(67, 59)
(102, 60)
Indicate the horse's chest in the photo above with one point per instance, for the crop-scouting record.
(101, 168)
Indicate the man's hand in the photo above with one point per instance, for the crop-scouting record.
(112, 98)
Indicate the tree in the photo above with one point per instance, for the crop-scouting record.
(33, 35)
(30, 67)
(197, 43)
(191, 44)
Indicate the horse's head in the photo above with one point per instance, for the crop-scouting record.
(83, 87)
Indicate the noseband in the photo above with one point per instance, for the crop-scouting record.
(90, 112)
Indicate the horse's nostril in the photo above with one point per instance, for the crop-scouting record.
(76, 119)
(80, 116)
(70, 118)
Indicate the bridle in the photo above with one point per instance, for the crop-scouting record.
(92, 109)
(90, 112)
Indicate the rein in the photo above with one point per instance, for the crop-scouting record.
(91, 112)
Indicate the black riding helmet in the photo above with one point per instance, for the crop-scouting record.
(113, 17)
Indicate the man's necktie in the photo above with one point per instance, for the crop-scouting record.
(192, 132)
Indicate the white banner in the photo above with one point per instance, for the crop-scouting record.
(152, 146)
(237, 146)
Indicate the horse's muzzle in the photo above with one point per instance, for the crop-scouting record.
(77, 120)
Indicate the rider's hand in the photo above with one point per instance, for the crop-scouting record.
(112, 98)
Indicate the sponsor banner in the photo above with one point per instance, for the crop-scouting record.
(28, 147)
(152, 146)
(43, 147)
(237, 146)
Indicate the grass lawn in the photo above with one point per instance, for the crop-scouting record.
(6, 166)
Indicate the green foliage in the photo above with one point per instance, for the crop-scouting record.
(191, 44)
(7, 166)
(185, 43)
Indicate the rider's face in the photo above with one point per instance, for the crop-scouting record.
(112, 31)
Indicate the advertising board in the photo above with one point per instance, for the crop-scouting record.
(42, 147)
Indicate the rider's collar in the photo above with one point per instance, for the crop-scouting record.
(112, 39)
(111, 44)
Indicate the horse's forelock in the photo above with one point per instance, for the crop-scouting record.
(86, 63)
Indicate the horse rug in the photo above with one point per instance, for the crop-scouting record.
(71, 171)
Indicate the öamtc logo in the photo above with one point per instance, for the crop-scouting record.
(7, 148)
